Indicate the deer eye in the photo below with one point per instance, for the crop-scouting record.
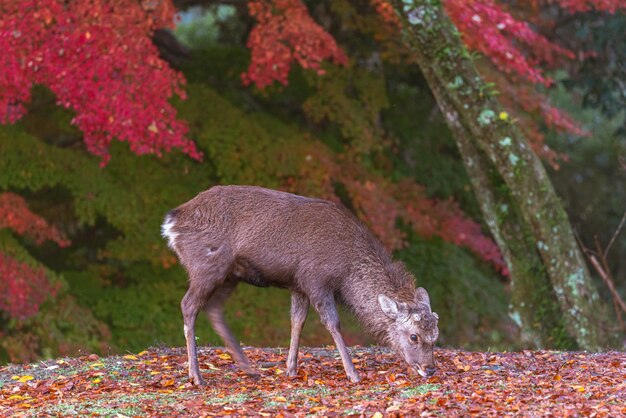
(413, 338)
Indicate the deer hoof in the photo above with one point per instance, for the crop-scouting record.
(198, 381)
(252, 373)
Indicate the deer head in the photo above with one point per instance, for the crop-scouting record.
(413, 331)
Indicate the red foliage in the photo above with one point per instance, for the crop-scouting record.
(512, 45)
(22, 288)
(15, 215)
(444, 218)
(97, 57)
(285, 32)
(379, 209)
(386, 11)
(487, 28)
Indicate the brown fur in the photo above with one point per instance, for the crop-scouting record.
(313, 247)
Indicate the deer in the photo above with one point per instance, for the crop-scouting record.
(315, 248)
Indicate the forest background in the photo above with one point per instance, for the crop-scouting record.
(319, 98)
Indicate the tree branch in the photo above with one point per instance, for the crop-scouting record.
(617, 231)
(184, 4)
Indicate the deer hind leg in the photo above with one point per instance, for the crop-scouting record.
(190, 305)
(325, 306)
(215, 312)
(203, 283)
(299, 311)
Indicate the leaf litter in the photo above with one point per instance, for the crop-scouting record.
(155, 383)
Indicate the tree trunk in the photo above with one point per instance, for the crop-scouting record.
(551, 284)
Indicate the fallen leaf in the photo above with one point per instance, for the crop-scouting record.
(210, 365)
(531, 383)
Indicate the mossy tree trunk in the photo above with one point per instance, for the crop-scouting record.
(552, 287)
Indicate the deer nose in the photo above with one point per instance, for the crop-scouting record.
(430, 371)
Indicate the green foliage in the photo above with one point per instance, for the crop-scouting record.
(600, 80)
(259, 151)
(426, 149)
(352, 100)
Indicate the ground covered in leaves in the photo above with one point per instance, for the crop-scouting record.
(155, 383)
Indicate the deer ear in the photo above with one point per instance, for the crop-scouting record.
(421, 296)
(390, 307)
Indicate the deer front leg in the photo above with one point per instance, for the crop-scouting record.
(215, 312)
(330, 318)
(299, 311)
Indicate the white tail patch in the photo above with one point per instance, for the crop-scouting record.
(166, 231)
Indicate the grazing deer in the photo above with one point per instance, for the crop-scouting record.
(314, 248)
